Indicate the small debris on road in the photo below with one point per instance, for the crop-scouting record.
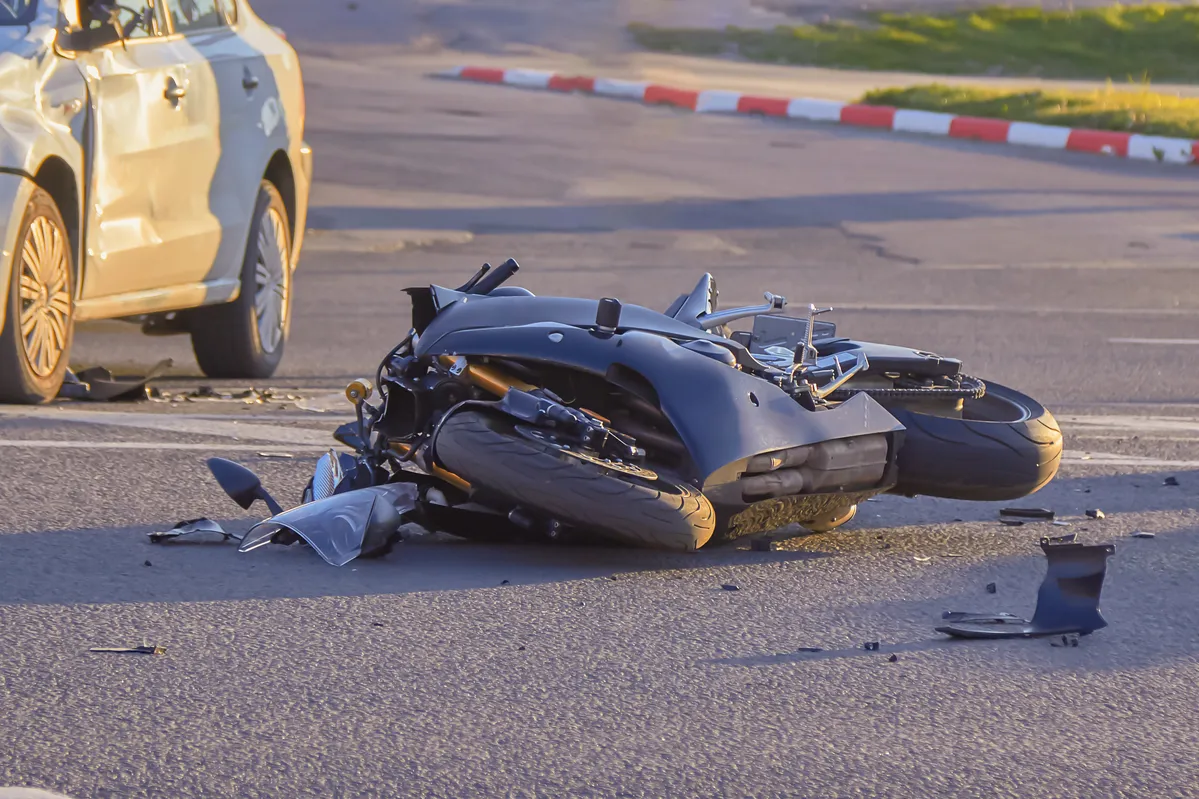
(763, 545)
(520, 649)
(1062, 539)
(729, 587)
(189, 527)
(954, 555)
(870, 646)
(893, 659)
(1095, 513)
(1065, 641)
(809, 649)
(144, 649)
(284, 455)
(147, 563)
(1143, 534)
(1012, 522)
(992, 588)
(505, 582)
(1170, 481)
(1044, 514)
(377, 624)
(1060, 523)
(920, 559)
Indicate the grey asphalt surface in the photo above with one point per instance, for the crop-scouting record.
(606, 672)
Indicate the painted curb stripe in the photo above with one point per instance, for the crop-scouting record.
(715, 101)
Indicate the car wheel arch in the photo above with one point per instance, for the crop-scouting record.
(279, 173)
(56, 178)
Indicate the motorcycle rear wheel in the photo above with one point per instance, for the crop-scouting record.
(1005, 446)
(642, 509)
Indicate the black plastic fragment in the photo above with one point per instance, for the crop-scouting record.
(992, 588)
(893, 659)
(1170, 481)
(97, 384)
(1095, 513)
(729, 587)
(1067, 602)
(1012, 522)
(189, 528)
(1028, 513)
(870, 646)
(809, 649)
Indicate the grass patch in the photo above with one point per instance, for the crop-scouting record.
(1155, 41)
(1107, 109)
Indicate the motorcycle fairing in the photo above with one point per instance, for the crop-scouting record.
(343, 526)
(723, 415)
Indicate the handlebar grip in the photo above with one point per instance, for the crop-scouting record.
(494, 280)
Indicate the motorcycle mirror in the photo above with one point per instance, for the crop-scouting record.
(241, 484)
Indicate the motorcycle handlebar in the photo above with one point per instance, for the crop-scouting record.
(493, 280)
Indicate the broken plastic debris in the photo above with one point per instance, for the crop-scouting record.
(97, 384)
(1065, 641)
(144, 649)
(1170, 481)
(1095, 513)
(870, 646)
(920, 559)
(1012, 522)
(190, 527)
(1067, 602)
(1028, 513)
(809, 649)
(730, 587)
(1143, 534)
(992, 588)
(893, 659)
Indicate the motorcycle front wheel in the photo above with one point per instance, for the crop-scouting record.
(616, 501)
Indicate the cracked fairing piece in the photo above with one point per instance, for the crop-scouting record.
(344, 526)
(190, 528)
(1067, 602)
(97, 384)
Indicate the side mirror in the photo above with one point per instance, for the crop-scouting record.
(241, 484)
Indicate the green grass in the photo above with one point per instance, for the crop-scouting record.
(1108, 109)
(1144, 42)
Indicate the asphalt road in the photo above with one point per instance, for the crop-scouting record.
(452, 669)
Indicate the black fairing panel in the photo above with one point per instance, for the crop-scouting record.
(723, 415)
(889, 358)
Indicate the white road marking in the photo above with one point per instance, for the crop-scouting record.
(1133, 424)
(1105, 459)
(174, 423)
(1170, 342)
(159, 445)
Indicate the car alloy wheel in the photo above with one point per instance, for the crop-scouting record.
(44, 297)
(272, 277)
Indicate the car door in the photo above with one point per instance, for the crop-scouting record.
(153, 156)
(234, 84)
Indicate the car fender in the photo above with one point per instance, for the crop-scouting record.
(723, 415)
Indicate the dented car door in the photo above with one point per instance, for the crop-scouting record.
(154, 155)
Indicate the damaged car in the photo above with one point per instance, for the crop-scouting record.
(152, 169)
(503, 416)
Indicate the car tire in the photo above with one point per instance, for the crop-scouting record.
(246, 338)
(39, 325)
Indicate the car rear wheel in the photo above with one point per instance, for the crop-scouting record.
(246, 338)
(35, 344)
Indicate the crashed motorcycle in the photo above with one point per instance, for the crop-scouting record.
(504, 415)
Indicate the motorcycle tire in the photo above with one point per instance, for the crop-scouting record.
(1005, 446)
(655, 512)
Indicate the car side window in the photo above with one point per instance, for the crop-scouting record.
(194, 15)
(138, 19)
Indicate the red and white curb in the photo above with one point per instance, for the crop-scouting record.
(1121, 145)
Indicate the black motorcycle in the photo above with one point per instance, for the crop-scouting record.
(503, 415)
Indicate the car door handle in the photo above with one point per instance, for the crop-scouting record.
(174, 92)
